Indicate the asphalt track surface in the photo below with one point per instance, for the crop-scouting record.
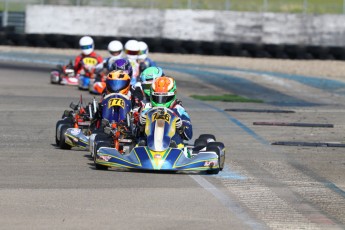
(261, 187)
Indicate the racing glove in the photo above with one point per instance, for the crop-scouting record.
(142, 119)
(178, 123)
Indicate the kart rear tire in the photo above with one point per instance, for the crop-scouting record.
(97, 147)
(216, 144)
(221, 147)
(57, 142)
(62, 143)
(200, 142)
(100, 138)
(217, 151)
(207, 137)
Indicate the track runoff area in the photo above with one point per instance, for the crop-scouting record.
(262, 186)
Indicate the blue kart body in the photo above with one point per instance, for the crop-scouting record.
(83, 82)
(159, 153)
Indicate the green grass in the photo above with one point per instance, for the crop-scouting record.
(285, 6)
(225, 98)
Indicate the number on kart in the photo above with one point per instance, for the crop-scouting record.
(165, 116)
(116, 102)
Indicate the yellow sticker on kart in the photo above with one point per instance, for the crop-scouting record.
(116, 102)
(90, 61)
(165, 116)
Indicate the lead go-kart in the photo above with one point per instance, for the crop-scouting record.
(157, 152)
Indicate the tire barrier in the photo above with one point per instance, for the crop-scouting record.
(162, 45)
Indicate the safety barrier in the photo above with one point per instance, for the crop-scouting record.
(182, 46)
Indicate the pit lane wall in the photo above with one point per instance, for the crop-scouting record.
(197, 31)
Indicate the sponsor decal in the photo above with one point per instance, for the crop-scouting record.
(105, 158)
(210, 163)
(158, 156)
(75, 131)
(90, 61)
(83, 122)
(116, 102)
(165, 116)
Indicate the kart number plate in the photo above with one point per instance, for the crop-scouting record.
(116, 102)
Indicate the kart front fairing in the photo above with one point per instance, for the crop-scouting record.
(76, 138)
(142, 158)
(115, 107)
(160, 128)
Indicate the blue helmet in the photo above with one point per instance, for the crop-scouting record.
(124, 65)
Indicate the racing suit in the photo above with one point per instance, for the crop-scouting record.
(185, 132)
(135, 67)
(87, 62)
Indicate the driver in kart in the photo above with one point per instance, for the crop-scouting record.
(117, 81)
(163, 94)
(88, 59)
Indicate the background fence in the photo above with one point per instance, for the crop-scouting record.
(12, 19)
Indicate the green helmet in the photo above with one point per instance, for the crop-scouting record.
(147, 76)
(163, 92)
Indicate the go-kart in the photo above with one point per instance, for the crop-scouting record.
(158, 152)
(64, 75)
(72, 130)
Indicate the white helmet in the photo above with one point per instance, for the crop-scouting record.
(132, 49)
(86, 44)
(115, 48)
(143, 50)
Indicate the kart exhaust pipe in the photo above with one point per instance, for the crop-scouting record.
(94, 105)
(90, 111)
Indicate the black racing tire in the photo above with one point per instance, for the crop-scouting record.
(207, 136)
(100, 138)
(66, 121)
(200, 142)
(57, 142)
(97, 147)
(217, 144)
(217, 150)
(62, 143)
(219, 147)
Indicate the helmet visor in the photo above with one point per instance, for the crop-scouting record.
(116, 86)
(86, 47)
(162, 98)
(146, 85)
(115, 53)
(132, 52)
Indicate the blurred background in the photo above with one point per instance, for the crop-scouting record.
(295, 29)
(12, 12)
